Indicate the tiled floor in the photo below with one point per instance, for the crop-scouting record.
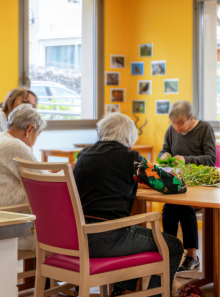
(208, 290)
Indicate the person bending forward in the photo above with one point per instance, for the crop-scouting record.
(191, 141)
(107, 176)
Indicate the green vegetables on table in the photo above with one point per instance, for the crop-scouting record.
(169, 162)
(194, 175)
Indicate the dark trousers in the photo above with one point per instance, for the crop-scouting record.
(186, 215)
(134, 240)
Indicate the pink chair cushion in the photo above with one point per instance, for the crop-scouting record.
(100, 265)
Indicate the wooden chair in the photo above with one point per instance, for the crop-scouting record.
(61, 229)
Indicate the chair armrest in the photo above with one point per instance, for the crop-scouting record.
(121, 223)
(15, 208)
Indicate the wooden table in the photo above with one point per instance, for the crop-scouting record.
(69, 152)
(209, 199)
(12, 225)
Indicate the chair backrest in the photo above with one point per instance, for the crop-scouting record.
(54, 200)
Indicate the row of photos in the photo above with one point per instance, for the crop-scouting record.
(171, 86)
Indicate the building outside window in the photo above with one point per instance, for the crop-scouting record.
(55, 71)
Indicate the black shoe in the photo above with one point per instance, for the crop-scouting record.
(116, 291)
(189, 263)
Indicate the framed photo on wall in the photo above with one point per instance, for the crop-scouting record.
(112, 78)
(146, 50)
(162, 106)
(137, 68)
(117, 61)
(138, 106)
(117, 95)
(171, 86)
(145, 87)
(158, 67)
(109, 108)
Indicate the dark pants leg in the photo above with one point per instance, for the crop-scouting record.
(186, 215)
(134, 240)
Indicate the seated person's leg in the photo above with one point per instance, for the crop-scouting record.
(134, 240)
(190, 238)
(170, 219)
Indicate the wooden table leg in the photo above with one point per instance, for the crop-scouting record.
(207, 253)
(71, 157)
(29, 282)
(44, 157)
(216, 258)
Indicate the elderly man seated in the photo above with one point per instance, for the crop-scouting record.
(107, 176)
(24, 126)
(191, 141)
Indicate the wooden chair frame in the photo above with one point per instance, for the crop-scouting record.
(83, 279)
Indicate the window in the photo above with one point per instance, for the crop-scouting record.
(75, 2)
(209, 61)
(56, 66)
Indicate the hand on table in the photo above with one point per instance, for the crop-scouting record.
(181, 158)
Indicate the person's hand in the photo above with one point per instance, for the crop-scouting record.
(165, 156)
(181, 158)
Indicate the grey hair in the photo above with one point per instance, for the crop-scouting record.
(181, 108)
(118, 127)
(23, 116)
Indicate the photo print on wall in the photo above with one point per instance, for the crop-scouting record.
(138, 106)
(146, 50)
(145, 87)
(162, 106)
(117, 95)
(137, 68)
(112, 78)
(109, 108)
(171, 86)
(158, 67)
(117, 61)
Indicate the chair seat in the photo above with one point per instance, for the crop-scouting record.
(100, 265)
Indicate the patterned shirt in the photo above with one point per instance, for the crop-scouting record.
(156, 178)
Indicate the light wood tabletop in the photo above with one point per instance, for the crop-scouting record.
(195, 196)
(207, 198)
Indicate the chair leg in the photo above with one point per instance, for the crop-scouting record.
(39, 285)
(84, 290)
(53, 283)
(103, 291)
(165, 282)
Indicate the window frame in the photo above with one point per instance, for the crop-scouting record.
(198, 62)
(98, 65)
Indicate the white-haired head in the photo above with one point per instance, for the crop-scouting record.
(118, 127)
(23, 116)
(181, 108)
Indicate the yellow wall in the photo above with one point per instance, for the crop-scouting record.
(169, 25)
(8, 46)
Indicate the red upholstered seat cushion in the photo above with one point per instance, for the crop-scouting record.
(100, 265)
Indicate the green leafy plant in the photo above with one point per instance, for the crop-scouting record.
(169, 162)
(75, 156)
(197, 175)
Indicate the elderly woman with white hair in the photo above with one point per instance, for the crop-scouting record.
(107, 176)
(191, 141)
(24, 126)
